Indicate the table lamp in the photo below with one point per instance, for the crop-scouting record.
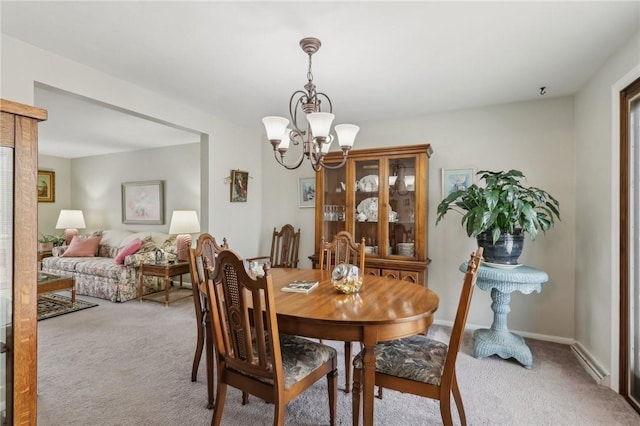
(184, 223)
(70, 221)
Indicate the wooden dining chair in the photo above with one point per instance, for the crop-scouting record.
(343, 249)
(420, 365)
(201, 263)
(251, 354)
(284, 248)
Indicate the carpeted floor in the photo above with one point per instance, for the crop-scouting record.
(53, 304)
(130, 364)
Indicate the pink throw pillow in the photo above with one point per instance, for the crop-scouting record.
(130, 248)
(83, 247)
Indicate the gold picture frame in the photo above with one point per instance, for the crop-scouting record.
(239, 186)
(46, 186)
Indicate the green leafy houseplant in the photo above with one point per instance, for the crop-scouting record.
(55, 239)
(503, 205)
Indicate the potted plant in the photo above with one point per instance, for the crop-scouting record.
(47, 242)
(499, 213)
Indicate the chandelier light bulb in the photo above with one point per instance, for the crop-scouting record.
(347, 134)
(275, 127)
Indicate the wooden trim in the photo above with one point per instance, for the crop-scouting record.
(23, 110)
(398, 151)
(7, 130)
(25, 295)
(626, 96)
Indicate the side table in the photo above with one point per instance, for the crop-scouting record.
(166, 271)
(498, 340)
(42, 255)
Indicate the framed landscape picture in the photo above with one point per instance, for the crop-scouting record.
(239, 184)
(456, 180)
(306, 192)
(46, 186)
(143, 202)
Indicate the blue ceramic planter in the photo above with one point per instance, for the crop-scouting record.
(506, 250)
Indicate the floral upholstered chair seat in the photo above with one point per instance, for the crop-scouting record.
(416, 358)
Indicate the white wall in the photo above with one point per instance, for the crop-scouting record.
(534, 137)
(48, 212)
(597, 206)
(96, 183)
(23, 65)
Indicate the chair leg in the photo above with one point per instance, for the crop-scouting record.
(355, 397)
(219, 405)
(210, 357)
(379, 392)
(347, 367)
(332, 386)
(445, 408)
(278, 413)
(458, 399)
(198, 354)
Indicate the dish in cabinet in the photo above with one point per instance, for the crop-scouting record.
(368, 183)
(369, 207)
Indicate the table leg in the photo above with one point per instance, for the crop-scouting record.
(167, 281)
(368, 378)
(141, 285)
(73, 294)
(499, 340)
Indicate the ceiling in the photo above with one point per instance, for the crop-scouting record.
(379, 60)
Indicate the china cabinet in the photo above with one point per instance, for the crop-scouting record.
(381, 195)
(18, 261)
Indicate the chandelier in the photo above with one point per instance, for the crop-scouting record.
(314, 135)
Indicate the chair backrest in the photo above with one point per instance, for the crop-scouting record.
(284, 247)
(201, 263)
(342, 249)
(461, 315)
(243, 316)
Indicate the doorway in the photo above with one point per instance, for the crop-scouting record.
(630, 243)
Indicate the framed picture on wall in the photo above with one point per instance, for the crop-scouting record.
(456, 180)
(239, 186)
(143, 202)
(46, 186)
(306, 192)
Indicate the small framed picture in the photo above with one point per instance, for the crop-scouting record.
(143, 202)
(239, 184)
(306, 192)
(46, 186)
(456, 180)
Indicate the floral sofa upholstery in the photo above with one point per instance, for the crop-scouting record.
(102, 277)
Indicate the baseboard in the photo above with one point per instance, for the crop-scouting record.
(595, 370)
(543, 337)
(588, 362)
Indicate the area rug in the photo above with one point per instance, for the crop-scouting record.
(53, 305)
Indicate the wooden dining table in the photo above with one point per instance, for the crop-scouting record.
(384, 309)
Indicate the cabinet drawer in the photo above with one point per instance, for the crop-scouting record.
(410, 276)
(372, 271)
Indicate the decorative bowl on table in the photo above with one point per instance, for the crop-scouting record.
(346, 278)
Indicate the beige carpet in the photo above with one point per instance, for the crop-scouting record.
(130, 364)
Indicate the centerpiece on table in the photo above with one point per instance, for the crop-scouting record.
(499, 213)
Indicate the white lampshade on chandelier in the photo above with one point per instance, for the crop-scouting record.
(184, 223)
(315, 138)
(70, 221)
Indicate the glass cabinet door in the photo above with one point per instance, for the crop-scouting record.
(401, 187)
(367, 205)
(334, 207)
(6, 274)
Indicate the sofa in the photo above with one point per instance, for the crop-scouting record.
(98, 275)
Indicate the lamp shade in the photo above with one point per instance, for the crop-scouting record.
(73, 219)
(184, 222)
(320, 123)
(274, 126)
